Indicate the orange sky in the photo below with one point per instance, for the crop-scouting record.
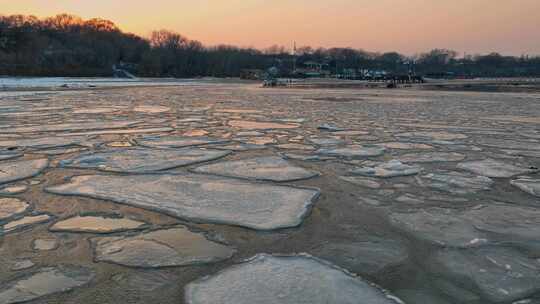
(408, 26)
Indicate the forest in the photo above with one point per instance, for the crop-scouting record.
(66, 45)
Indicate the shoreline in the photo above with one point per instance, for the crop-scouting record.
(55, 84)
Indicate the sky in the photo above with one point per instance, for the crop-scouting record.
(509, 27)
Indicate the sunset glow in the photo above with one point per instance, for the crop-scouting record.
(472, 26)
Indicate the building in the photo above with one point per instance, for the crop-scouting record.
(312, 69)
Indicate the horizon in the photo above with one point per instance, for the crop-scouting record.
(484, 26)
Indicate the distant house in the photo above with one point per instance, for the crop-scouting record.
(314, 66)
(373, 74)
(350, 74)
(313, 69)
(252, 74)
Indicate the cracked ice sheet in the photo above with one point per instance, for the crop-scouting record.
(389, 169)
(261, 168)
(455, 182)
(493, 168)
(96, 224)
(41, 143)
(473, 227)
(518, 224)
(353, 152)
(529, 185)
(160, 248)
(120, 131)
(445, 227)
(176, 141)
(431, 157)
(500, 274)
(285, 279)
(200, 198)
(141, 160)
(370, 256)
(16, 170)
(425, 135)
(25, 222)
(73, 127)
(44, 282)
(260, 125)
(11, 206)
(5, 155)
(508, 144)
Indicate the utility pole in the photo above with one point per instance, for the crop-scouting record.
(294, 57)
(337, 67)
(465, 64)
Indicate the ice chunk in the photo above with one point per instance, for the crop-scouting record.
(529, 185)
(266, 279)
(43, 282)
(96, 224)
(500, 274)
(353, 152)
(392, 168)
(141, 160)
(16, 170)
(160, 248)
(429, 157)
(456, 182)
(11, 206)
(261, 168)
(494, 168)
(200, 198)
(173, 141)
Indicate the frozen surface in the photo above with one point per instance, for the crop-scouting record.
(326, 141)
(519, 224)
(89, 82)
(392, 168)
(96, 224)
(529, 185)
(494, 168)
(45, 281)
(456, 182)
(367, 182)
(509, 144)
(405, 146)
(473, 227)
(40, 143)
(16, 170)
(5, 155)
(13, 189)
(260, 125)
(384, 229)
(370, 256)
(431, 136)
(25, 222)
(176, 141)
(295, 279)
(501, 274)
(353, 151)
(262, 168)
(11, 206)
(72, 127)
(45, 244)
(443, 227)
(428, 157)
(140, 160)
(161, 248)
(200, 198)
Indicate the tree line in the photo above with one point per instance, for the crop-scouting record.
(66, 45)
